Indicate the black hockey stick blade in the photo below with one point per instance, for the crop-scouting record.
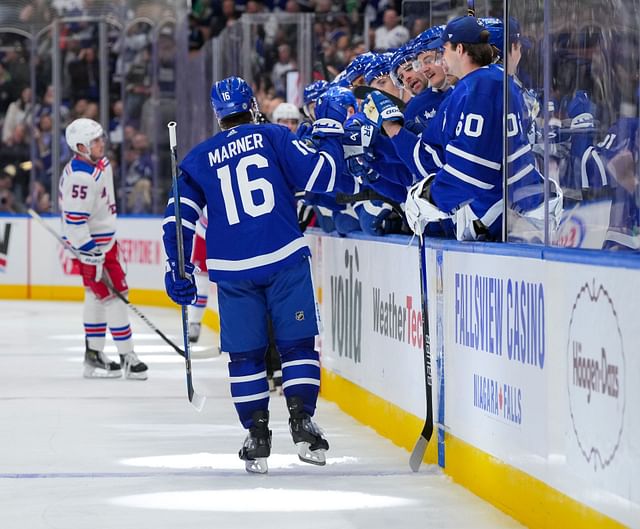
(362, 91)
(417, 455)
(368, 194)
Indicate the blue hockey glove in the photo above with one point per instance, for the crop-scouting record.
(330, 115)
(378, 109)
(357, 139)
(580, 110)
(181, 291)
(304, 130)
(358, 168)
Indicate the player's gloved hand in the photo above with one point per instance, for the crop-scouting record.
(580, 111)
(418, 210)
(378, 109)
(304, 130)
(181, 290)
(330, 115)
(359, 169)
(91, 264)
(357, 139)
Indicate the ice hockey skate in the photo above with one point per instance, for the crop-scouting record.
(257, 446)
(99, 365)
(306, 434)
(133, 367)
(194, 331)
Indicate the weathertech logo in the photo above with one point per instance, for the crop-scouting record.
(596, 375)
(4, 246)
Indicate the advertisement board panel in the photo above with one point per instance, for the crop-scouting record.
(372, 318)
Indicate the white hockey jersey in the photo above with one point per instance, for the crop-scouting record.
(87, 203)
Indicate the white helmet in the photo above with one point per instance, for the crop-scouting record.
(286, 111)
(82, 131)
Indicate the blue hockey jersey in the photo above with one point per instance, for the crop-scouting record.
(247, 177)
(469, 140)
(612, 165)
(421, 109)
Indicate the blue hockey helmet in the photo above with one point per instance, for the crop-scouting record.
(313, 91)
(343, 96)
(231, 96)
(357, 66)
(495, 27)
(378, 66)
(419, 43)
(402, 55)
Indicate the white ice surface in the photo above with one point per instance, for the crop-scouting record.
(118, 454)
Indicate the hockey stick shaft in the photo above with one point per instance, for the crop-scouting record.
(417, 455)
(368, 194)
(107, 282)
(420, 448)
(195, 399)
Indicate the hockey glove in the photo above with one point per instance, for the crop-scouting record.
(330, 115)
(378, 109)
(91, 263)
(181, 290)
(357, 139)
(580, 111)
(418, 210)
(359, 169)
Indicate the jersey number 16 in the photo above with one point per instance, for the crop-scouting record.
(246, 188)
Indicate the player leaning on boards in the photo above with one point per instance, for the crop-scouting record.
(467, 185)
(247, 176)
(88, 207)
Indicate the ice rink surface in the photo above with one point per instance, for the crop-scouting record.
(117, 454)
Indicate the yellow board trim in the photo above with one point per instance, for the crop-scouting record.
(523, 497)
(389, 420)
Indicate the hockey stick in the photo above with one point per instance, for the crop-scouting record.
(417, 454)
(362, 91)
(195, 399)
(107, 281)
(368, 194)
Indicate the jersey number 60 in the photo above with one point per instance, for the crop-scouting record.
(246, 188)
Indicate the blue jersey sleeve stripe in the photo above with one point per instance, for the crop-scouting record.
(258, 260)
(520, 152)
(473, 157)
(466, 178)
(314, 174)
(185, 223)
(434, 154)
(520, 174)
(592, 153)
(332, 177)
(492, 214)
(187, 202)
(416, 160)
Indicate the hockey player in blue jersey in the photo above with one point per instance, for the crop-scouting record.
(247, 176)
(468, 184)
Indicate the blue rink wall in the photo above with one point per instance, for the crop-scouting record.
(534, 355)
